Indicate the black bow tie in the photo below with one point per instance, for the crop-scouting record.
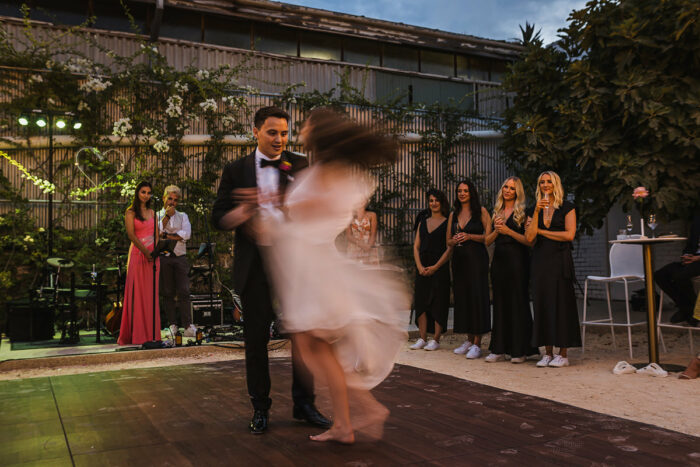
(274, 163)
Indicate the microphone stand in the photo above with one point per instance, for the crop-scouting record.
(211, 272)
(154, 344)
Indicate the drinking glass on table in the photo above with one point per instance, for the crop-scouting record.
(651, 222)
(629, 225)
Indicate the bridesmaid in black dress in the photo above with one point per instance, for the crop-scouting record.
(510, 273)
(468, 226)
(552, 225)
(432, 286)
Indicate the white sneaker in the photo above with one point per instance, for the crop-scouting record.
(544, 361)
(494, 357)
(190, 331)
(420, 343)
(558, 361)
(464, 348)
(173, 330)
(474, 352)
(432, 345)
(518, 360)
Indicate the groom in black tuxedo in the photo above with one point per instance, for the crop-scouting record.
(249, 187)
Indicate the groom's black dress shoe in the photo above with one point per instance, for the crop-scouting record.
(258, 424)
(310, 414)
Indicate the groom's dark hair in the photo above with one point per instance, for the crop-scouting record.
(266, 112)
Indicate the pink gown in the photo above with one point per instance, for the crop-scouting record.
(137, 314)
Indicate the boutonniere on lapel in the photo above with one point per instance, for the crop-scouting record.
(286, 168)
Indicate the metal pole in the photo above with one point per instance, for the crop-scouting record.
(50, 118)
(651, 305)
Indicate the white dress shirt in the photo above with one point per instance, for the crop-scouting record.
(179, 224)
(268, 181)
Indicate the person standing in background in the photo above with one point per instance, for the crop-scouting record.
(174, 268)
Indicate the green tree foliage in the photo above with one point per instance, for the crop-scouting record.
(613, 105)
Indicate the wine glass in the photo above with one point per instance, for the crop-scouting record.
(457, 229)
(546, 209)
(629, 225)
(651, 222)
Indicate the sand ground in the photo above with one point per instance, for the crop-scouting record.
(588, 383)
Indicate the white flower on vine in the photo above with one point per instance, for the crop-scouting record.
(82, 105)
(49, 64)
(251, 90)
(174, 106)
(161, 146)
(121, 127)
(202, 74)
(36, 79)
(28, 239)
(209, 105)
(111, 54)
(181, 87)
(151, 132)
(79, 65)
(95, 84)
(50, 101)
(41, 230)
(128, 188)
(227, 120)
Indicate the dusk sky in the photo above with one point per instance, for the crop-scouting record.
(492, 19)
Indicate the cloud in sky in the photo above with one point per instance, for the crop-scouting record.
(492, 19)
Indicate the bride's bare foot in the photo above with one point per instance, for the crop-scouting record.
(335, 434)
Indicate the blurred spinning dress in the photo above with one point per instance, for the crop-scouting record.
(361, 310)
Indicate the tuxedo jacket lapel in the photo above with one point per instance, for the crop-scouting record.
(249, 176)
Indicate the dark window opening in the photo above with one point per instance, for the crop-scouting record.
(401, 58)
(321, 46)
(362, 52)
(181, 24)
(227, 32)
(275, 40)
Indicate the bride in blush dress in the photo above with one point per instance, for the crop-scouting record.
(346, 320)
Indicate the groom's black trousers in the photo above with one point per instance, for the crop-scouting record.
(258, 314)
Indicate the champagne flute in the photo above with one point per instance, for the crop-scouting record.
(629, 225)
(546, 208)
(651, 222)
(457, 229)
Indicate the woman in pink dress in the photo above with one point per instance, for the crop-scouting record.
(137, 315)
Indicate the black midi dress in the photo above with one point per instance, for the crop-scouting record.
(432, 293)
(510, 274)
(470, 275)
(552, 274)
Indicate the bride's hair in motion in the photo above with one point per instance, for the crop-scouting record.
(334, 137)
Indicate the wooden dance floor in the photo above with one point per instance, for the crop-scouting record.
(198, 415)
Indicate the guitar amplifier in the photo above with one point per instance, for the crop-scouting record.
(206, 312)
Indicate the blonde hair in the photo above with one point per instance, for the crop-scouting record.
(172, 189)
(519, 207)
(557, 189)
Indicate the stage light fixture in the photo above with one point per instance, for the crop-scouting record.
(24, 121)
(41, 122)
(77, 125)
(60, 124)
